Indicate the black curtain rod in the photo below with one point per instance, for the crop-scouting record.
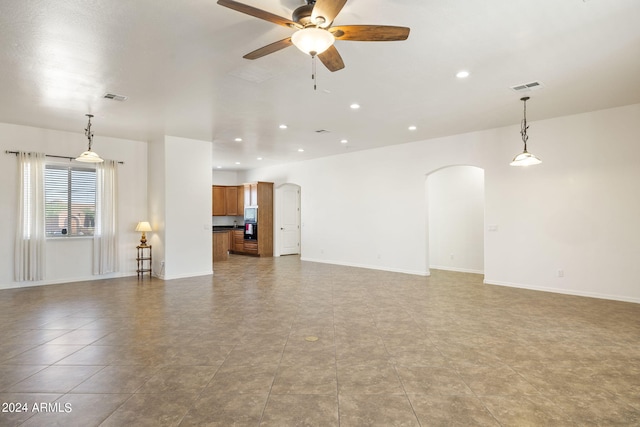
(49, 155)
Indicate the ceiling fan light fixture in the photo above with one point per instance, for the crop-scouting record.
(312, 41)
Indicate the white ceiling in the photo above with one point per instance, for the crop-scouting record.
(180, 65)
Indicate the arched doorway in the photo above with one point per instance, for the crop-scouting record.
(455, 219)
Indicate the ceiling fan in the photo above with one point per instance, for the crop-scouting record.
(315, 34)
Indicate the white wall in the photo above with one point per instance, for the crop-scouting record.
(576, 212)
(455, 198)
(187, 208)
(70, 259)
(224, 178)
(156, 199)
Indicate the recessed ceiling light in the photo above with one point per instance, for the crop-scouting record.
(355, 106)
(300, 150)
(218, 167)
(412, 127)
(463, 74)
(259, 158)
(237, 163)
(238, 140)
(283, 126)
(344, 141)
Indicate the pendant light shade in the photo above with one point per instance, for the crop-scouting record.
(89, 156)
(525, 158)
(312, 41)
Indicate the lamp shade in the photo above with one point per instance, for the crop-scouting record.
(312, 41)
(143, 226)
(89, 157)
(525, 159)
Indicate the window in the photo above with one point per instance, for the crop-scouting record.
(70, 200)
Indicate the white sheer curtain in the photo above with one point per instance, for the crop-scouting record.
(105, 237)
(29, 262)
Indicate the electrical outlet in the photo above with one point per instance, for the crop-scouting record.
(560, 273)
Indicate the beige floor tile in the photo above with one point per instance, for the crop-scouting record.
(376, 410)
(462, 411)
(55, 379)
(222, 409)
(433, 381)
(304, 379)
(392, 349)
(301, 410)
(150, 410)
(117, 379)
(78, 410)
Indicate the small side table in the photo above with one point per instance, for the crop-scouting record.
(144, 260)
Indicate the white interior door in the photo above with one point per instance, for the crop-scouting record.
(289, 232)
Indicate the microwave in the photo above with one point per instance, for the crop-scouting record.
(251, 214)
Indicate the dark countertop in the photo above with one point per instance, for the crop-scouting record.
(225, 228)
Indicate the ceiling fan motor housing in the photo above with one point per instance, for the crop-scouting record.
(302, 15)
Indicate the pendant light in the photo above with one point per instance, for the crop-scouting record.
(525, 158)
(89, 156)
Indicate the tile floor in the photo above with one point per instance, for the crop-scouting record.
(391, 350)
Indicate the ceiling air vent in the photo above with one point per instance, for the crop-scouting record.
(525, 87)
(114, 97)
(322, 131)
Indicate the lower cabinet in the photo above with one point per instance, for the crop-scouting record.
(251, 247)
(238, 241)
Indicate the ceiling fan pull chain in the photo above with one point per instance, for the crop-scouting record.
(314, 75)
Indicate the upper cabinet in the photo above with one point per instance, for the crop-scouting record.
(219, 204)
(227, 200)
(251, 194)
(231, 200)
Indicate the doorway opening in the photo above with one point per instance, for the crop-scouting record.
(455, 219)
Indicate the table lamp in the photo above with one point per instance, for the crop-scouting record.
(143, 226)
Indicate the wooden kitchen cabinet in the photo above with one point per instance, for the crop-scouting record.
(251, 194)
(238, 241)
(257, 194)
(220, 246)
(264, 200)
(218, 200)
(227, 200)
(240, 195)
(251, 247)
(231, 200)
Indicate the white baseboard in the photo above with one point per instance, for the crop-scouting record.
(185, 276)
(457, 270)
(369, 267)
(29, 284)
(563, 291)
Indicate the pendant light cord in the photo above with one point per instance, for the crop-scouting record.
(87, 131)
(523, 124)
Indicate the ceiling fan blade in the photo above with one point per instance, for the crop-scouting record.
(327, 10)
(331, 59)
(270, 48)
(378, 33)
(258, 13)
